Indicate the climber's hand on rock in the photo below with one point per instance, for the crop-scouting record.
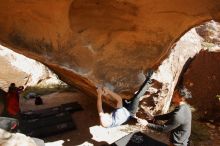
(142, 122)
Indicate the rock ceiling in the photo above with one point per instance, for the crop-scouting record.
(100, 42)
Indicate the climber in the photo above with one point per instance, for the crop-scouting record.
(124, 110)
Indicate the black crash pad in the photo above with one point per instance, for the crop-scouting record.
(137, 139)
(52, 130)
(31, 124)
(42, 127)
(46, 122)
(71, 107)
(68, 107)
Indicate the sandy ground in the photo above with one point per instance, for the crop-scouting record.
(85, 120)
(88, 118)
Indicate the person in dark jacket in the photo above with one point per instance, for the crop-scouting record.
(38, 100)
(178, 121)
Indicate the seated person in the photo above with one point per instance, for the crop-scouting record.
(38, 100)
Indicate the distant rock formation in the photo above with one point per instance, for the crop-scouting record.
(24, 71)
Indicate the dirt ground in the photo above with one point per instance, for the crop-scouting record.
(84, 119)
(88, 117)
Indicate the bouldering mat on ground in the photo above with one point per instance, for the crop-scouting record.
(47, 121)
(52, 130)
(48, 126)
(138, 139)
(71, 107)
(67, 107)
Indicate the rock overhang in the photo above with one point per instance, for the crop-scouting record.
(92, 42)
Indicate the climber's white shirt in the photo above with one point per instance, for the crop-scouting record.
(116, 118)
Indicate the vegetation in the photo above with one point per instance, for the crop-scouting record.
(207, 45)
(43, 90)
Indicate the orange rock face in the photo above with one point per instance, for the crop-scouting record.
(93, 42)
